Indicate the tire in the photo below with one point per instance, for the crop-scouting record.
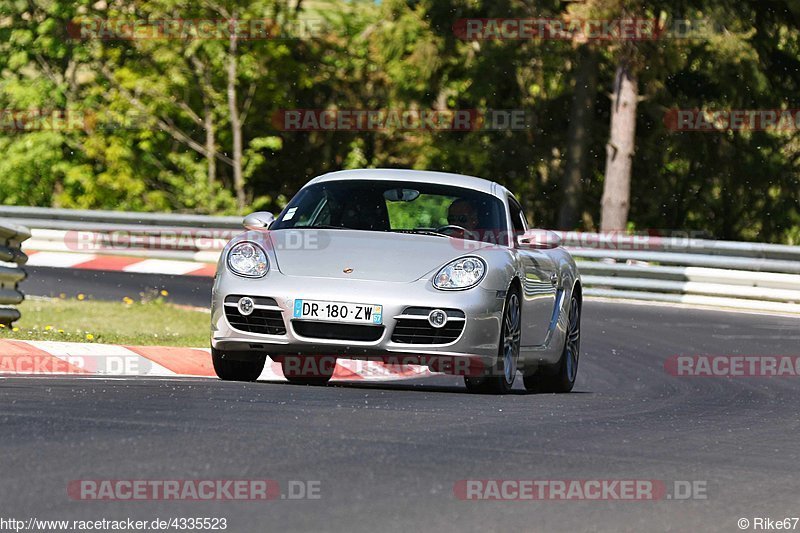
(316, 371)
(233, 370)
(561, 377)
(500, 378)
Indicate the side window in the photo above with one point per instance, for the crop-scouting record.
(517, 216)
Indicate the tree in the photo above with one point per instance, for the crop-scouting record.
(620, 149)
(578, 137)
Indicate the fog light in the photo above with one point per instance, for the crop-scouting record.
(246, 306)
(437, 318)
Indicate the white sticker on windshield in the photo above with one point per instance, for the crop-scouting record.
(290, 214)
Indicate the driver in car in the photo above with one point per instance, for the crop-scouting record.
(462, 213)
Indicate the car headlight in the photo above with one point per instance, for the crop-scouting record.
(248, 259)
(460, 274)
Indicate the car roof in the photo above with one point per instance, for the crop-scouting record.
(416, 176)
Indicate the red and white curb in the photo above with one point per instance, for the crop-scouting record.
(119, 263)
(90, 359)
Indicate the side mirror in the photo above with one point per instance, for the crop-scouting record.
(539, 239)
(258, 220)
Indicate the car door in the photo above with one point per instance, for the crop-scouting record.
(539, 283)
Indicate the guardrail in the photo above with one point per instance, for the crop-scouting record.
(165, 236)
(81, 219)
(11, 273)
(187, 244)
(678, 269)
(741, 275)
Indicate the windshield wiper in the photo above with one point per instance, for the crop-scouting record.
(420, 232)
(320, 226)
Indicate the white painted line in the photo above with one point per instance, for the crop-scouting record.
(58, 259)
(369, 371)
(374, 371)
(46, 246)
(164, 266)
(208, 256)
(272, 372)
(103, 359)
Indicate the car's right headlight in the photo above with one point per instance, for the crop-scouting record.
(460, 274)
(248, 259)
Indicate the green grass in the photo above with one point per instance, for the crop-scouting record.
(143, 323)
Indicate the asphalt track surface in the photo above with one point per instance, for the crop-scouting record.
(387, 455)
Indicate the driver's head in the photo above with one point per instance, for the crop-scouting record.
(463, 213)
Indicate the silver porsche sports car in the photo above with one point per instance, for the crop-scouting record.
(407, 267)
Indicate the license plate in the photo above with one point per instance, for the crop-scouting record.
(338, 312)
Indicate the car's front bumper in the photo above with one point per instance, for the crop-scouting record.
(478, 341)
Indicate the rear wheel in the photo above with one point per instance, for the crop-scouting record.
(500, 378)
(237, 370)
(308, 370)
(561, 377)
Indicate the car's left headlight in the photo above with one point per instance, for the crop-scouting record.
(248, 259)
(460, 274)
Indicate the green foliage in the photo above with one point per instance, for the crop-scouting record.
(426, 211)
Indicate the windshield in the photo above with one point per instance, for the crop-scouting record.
(396, 206)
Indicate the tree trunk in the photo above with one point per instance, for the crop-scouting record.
(236, 126)
(211, 147)
(619, 151)
(581, 115)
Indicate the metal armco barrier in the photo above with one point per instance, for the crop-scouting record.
(152, 235)
(77, 219)
(677, 269)
(739, 275)
(11, 273)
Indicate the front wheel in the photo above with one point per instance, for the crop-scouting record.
(234, 370)
(561, 378)
(500, 378)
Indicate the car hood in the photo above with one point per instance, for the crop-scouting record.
(372, 255)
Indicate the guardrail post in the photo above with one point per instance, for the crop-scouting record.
(12, 260)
